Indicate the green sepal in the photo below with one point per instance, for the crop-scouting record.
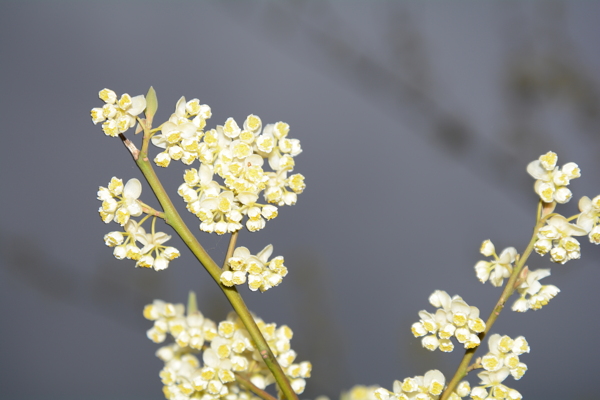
(151, 105)
(192, 306)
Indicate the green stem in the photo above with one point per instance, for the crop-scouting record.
(230, 250)
(251, 387)
(173, 218)
(509, 288)
(146, 209)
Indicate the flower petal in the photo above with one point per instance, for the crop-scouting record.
(133, 189)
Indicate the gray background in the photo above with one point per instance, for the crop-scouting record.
(417, 121)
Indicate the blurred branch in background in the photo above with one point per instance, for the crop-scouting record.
(546, 75)
(114, 296)
(314, 310)
(543, 75)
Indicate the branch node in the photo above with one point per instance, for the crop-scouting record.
(130, 146)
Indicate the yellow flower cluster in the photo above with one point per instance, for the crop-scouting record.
(454, 317)
(206, 357)
(119, 203)
(426, 387)
(236, 155)
(260, 273)
(117, 116)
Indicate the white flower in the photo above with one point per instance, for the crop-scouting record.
(108, 96)
(590, 210)
(231, 278)
(113, 239)
(265, 143)
(202, 111)
(231, 128)
(296, 183)
(173, 133)
(493, 380)
(153, 243)
(487, 248)
(589, 217)
(253, 123)
(541, 298)
(434, 381)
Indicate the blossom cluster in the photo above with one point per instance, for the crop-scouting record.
(499, 268)
(504, 352)
(501, 361)
(454, 317)
(557, 238)
(235, 154)
(260, 273)
(534, 295)
(425, 387)
(117, 116)
(551, 181)
(120, 203)
(206, 357)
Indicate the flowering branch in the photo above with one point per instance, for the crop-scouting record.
(173, 218)
(245, 346)
(463, 368)
(237, 156)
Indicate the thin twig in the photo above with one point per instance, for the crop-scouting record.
(230, 249)
(509, 288)
(146, 209)
(252, 387)
(130, 146)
